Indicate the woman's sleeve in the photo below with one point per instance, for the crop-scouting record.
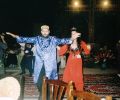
(84, 47)
(63, 50)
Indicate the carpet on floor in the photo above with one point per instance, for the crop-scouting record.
(30, 89)
(102, 85)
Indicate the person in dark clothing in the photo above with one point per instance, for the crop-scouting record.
(11, 58)
(27, 59)
(12, 52)
(3, 47)
(118, 53)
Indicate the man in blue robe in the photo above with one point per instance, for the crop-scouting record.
(45, 54)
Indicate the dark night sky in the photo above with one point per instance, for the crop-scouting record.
(24, 16)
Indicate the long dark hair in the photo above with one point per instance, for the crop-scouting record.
(79, 43)
(78, 39)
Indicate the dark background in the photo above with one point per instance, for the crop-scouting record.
(24, 17)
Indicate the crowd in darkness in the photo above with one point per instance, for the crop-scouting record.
(13, 54)
(38, 53)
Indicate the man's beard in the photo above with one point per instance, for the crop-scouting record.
(45, 36)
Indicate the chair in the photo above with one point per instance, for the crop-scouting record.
(82, 95)
(56, 89)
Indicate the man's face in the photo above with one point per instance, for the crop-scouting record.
(45, 32)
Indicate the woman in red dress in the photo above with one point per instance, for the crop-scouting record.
(73, 70)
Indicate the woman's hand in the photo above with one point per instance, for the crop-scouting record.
(75, 35)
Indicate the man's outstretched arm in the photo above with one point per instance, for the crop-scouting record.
(22, 39)
(67, 40)
(13, 35)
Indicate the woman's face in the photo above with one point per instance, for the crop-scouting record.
(73, 32)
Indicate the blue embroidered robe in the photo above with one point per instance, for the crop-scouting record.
(45, 54)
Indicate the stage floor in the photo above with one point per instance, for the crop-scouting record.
(30, 91)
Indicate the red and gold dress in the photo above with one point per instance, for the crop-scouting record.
(73, 70)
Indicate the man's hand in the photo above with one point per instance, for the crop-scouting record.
(13, 35)
(75, 35)
(8, 33)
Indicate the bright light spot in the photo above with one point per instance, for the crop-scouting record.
(105, 4)
(76, 4)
